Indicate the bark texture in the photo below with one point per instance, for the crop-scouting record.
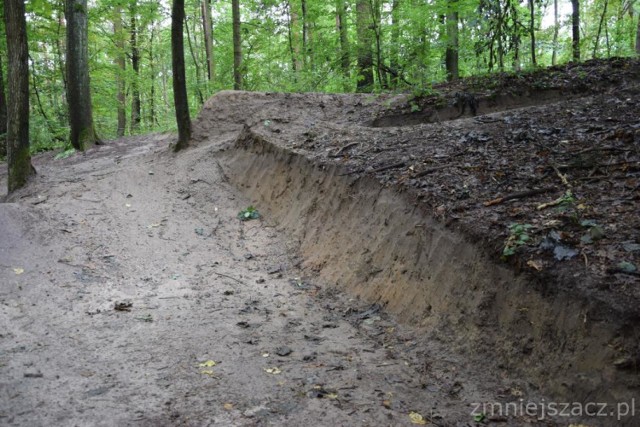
(365, 41)
(237, 45)
(120, 62)
(575, 29)
(18, 157)
(208, 39)
(181, 101)
(83, 134)
(451, 55)
(3, 114)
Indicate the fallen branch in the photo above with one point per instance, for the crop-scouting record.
(621, 271)
(228, 277)
(380, 169)
(431, 170)
(343, 149)
(520, 195)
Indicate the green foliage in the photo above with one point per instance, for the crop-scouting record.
(281, 53)
(518, 236)
(248, 214)
(65, 154)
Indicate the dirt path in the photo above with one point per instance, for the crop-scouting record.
(132, 223)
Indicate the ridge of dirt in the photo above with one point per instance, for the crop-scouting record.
(584, 138)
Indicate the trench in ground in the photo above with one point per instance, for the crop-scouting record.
(376, 243)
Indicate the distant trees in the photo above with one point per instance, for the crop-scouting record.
(290, 45)
(82, 131)
(18, 156)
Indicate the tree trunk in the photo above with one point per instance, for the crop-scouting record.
(208, 39)
(638, 38)
(135, 64)
(394, 59)
(556, 29)
(196, 64)
(295, 37)
(597, 41)
(532, 31)
(341, 24)
(152, 71)
(3, 115)
(18, 157)
(575, 29)
(181, 101)
(83, 134)
(365, 40)
(121, 64)
(237, 45)
(451, 56)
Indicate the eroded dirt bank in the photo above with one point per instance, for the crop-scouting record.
(378, 244)
(400, 216)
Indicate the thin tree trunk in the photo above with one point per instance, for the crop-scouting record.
(3, 115)
(208, 39)
(152, 71)
(237, 45)
(394, 60)
(83, 133)
(121, 64)
(18, 157)
(575, 29)
(365, 41)
(602, 16)
(451, 56)
(60, 37)
(638, 37)
(532, 31)
(376, 22)
(295, 38)
(196, 63)
(305, 31)
(135, 64)
(181, 100)
(341, 23)
(556, 29)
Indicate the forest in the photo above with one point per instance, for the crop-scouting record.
(288, 46)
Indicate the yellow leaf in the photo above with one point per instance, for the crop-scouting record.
(416, 418)
(208, 364)
(18, 271)
(207, 372)
(228, 406)
(331, 396)
(274, 371)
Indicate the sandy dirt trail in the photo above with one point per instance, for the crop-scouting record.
(130, 222)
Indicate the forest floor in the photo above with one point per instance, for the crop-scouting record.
(132, 294)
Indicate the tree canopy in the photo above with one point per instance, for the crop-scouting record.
(298, 46)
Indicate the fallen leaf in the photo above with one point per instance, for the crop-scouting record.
(274, 371)
(416, 418)
(535, 264)
(18, 271)
(228, 406)
(208, 364)
(207, 372)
